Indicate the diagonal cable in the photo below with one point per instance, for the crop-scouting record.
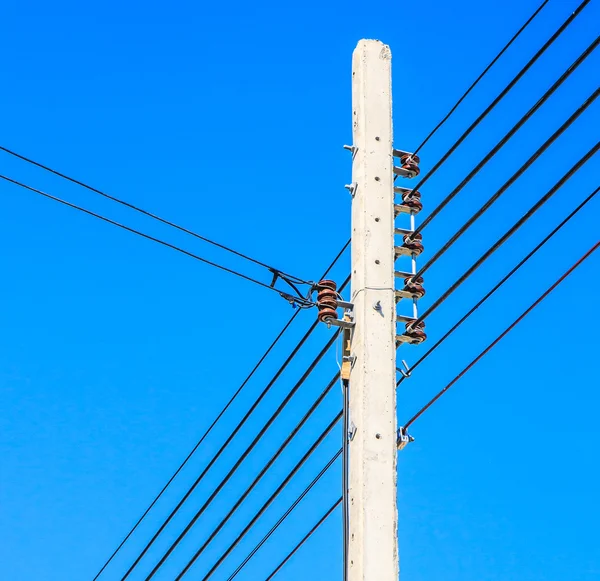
(285, 515)
(215, 421)
(574, 66)
(503, 93)
(300, 300)
(304, 539)
(476, 82)
(144, 212)
(242, 457)
(561, 182)
(501, 336)
(264, 507)
(498, 285)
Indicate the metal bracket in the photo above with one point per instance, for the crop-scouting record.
(351, 431)
(403, 438)
(406, 372)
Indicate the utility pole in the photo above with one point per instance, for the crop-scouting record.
(373, 514)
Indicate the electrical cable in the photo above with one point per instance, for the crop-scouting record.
(503, 93)
(586, 53)
(301, 301)
(345, 483)
(242, 457)
(285, 515)
(482, 116)
(485, 71)
(304, 539)
(446, 246)
(574, 168)
(502, 335)
(147, 213)
(497, 286)
(267, 466)
(212, 425)
(264, 507)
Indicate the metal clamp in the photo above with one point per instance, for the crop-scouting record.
(403, 438)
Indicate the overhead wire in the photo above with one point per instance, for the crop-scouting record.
(502, 335)
(299, 545)
(555, 86)
(237, 464)
(265, 468)
(574, 168)
(480, 77)
(500, 96)
(263, 508)
(219, 416)
(301, 301)
(286, 514)
(146, 213)
(497, 286)
(488, 110)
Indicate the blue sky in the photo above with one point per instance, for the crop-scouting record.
(115, 353)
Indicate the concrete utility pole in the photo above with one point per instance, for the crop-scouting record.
(373, 539)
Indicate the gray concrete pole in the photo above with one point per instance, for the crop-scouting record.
(373, 542)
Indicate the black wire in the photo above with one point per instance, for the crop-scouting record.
(498, 286)
(242, 457)
(304, 539)
(502, 335)
(345, 486)
(508, 184)
(221, 413)
(509, 135)
(264, 507)
(511, 231)
(264, 470)
(149, 214)
(300, 299)
(485, 71)
(508, 87)
(285, 515)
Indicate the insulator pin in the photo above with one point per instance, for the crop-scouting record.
(327, 300)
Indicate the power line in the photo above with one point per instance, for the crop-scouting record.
(485, 71)
(301, 301)
(267, 466)
(502, 94)
(242, 457)
(285, 515)
(264, 507)
(498, 285)
(502, 335)
(574, 168)
(509, 135)
(304, 539)
(482, 116)
(148, 214)
(219, 416)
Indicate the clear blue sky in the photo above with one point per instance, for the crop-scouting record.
(229, 118)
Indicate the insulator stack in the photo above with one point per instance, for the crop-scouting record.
(416, 332)
(410, 164)
(414, 287)
(413, 243)
(412, 199)
(327, 300)
(411, 247)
